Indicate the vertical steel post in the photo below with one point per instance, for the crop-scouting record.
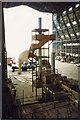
(40, 23)
(23, 97)
(53, 62)
(61, 49)
(72, 49)
(1, 59)
(56, 44)
(40, 59)
(32, 70)
(65, 49)
(53, 53)
(79, 76)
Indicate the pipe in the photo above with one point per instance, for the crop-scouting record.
(40, 60)
(40, 23)
(53, 62)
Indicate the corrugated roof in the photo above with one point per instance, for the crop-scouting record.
(51, 7)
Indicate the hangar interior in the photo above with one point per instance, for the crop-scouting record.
(67, 29)
(46, 94)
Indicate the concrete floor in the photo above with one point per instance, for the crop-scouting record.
(23, 84)
(68, 69)
(48, 110)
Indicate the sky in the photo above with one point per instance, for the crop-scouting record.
(19, 23)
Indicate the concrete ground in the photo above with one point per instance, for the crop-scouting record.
(68, 69)
(50, 110)
(23, 84)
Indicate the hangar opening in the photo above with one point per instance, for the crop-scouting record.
(46, 83)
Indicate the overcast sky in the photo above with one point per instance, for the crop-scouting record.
(19, 22)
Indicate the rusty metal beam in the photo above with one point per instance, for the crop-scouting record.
(74, 93)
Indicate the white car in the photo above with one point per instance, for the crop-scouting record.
(72, 62)
(15, 66)
(78, 65)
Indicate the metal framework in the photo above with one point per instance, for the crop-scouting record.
(68, 30)
(41, 57)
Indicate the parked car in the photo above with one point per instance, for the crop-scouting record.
(14, 66)
(72, 62)
(30, 65)
(78, 65)
(24, 67)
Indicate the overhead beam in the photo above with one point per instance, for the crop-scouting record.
(76, 18)
(69, 41)
(61, 27)
(71, 24)
(66, 27)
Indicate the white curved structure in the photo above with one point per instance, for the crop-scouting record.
(23, 57)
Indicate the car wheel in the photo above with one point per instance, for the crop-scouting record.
(33, 68)
(13, 70)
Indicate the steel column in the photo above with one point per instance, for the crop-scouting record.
(72, 50)
(61, 48)
(40, 54)
(56, 44)
(65, 49)
(1, 59)
(61, 44)
(57, 35)
(53, 62)
(40, 60)
(79, 75)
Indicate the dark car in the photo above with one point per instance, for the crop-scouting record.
(24, 67)
(14, 67)
(28, 66)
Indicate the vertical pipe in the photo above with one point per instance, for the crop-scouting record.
(65, 49)
(56, 44)
(40, 60)
(32, 77)
(53, 62)
(40, 23)
(72, 50)
(61, 49)
(23, 97)
(1, 59)
(36, 80)
(48, 51)
(53, 50)
(79, 76)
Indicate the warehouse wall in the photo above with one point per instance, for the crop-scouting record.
(67, 29)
